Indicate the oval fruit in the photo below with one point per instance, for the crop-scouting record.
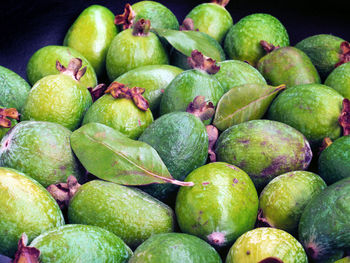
(339, 79)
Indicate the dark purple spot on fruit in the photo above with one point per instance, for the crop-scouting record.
(162, 90)
(63, 169)
(271, 260)
(232, 167)
(275, 167)
(263, 143)
(205, 183)
(235, 181)
(248, 252)
(244, 141)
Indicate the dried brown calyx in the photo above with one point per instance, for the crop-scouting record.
(6, 115)
(223, 3)
(261, 220)
(199, 61)
(268, 47)
(119, 90)
(74, 68)
(98, 91)
(344, 53)
(126, 19)
(325, 144)
(213, 134)
(344, 118)
(26, 254)
(63, 192)
(187, 25)
(141, 28)
(271, 260)
(200, 108)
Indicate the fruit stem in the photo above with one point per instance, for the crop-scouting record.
(187, 25)
(268, 47)
(26, 254)
(98, 91)
(344, 118)
(200, 108)
(141, 28)
(5, 114)
(223, 3)
(261, 220)
(345, 53)
(74, 68)
(126, 19)
(201, 62)
(213, 134)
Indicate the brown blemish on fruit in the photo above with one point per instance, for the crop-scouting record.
(271, 260)
(217, 238)
(261, 220)
(98, 91)
(205, 183)
(213, 134)
(344, 118)
(344, 56)
(267, 46)
(199, 61)
(6, 114)
(74, 68)
(223, 3)
(248, 252)
(141, 28)
(126, 19)
(200, 108)
(26, 254)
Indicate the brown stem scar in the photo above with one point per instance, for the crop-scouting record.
(141, 28)
(223, 3)
(6, 115)
(187, 25)
(344, 55)
(200, 108)
(213, 134)
(268, 47)
(25, 254)
(344, 118)
(74, 68)
(126, 19)
(97, 91)
(199, 61)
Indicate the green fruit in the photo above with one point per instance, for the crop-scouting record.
(43, 63)
(25, 207)
(221, 206)
(333, 163)
(154, 79)
(181, 141)
(14, 89)
(284, 199)
(234, 73)
(41, 150)
(133, 48)
(264, 149)
(313, 109)
(212, 19)
(339, 79)
(127, 212)
(343, 260)
(289, 66)
(91, 34)
(261, 243)
(58, 98)
(243, 39)
(323, 50)
(121, 114)
(186, 86)
(174, 248)
(324, 228)
(81, 243)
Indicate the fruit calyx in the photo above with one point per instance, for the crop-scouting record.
(223, 3)
(325, 144)
(6, 114)
(98, 91)
(345, 53)
(201, 62)
(63, 192)
(271, 260)
(200, 108)
(74, 68)
(344, 118)
(217, 239)
(141, 28)
(187, 25)
(261, 221)
(119, 90)
(267, 46)
(213, 134)
(126, 19)
(26, 254)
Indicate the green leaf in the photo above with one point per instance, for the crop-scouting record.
(111, 156)
(187, 41)
(244, 103)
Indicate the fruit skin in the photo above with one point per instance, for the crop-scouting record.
(120, 114)
(234, 73)
(59, 99)
(174, 248)
(153, 78)
(222, 205)
(339, 79)
(81, 243)
(324, 228)
(25, 206)
(264, 149)
(159, 15)
(13, 89)
(264, 242)
(127, 212)
(313, 109)
(186, 86)
(242, 41)
(43, 63)
(42, 151)
(289, 66)
(323, 50)
(181, 140)
(212, 19)
(344, 260)
(128, 52)
(91, 34)
(284, 199)
(333, 163)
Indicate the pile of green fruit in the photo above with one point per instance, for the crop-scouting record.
(211, 141)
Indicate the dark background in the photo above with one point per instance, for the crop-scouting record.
(26, 26)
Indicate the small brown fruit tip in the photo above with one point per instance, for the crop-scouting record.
(199, 61)
(74, 68)
(223, 3)
(344, 55)
(25, 254)
(187, 25)
(268, 47)
(271, 260)
(141, 27)
(5, 114)
(98, 91)
(126, 19)
(200, 108)
(261, 220)
(344, 118)
(325, 144)
(213, 134)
